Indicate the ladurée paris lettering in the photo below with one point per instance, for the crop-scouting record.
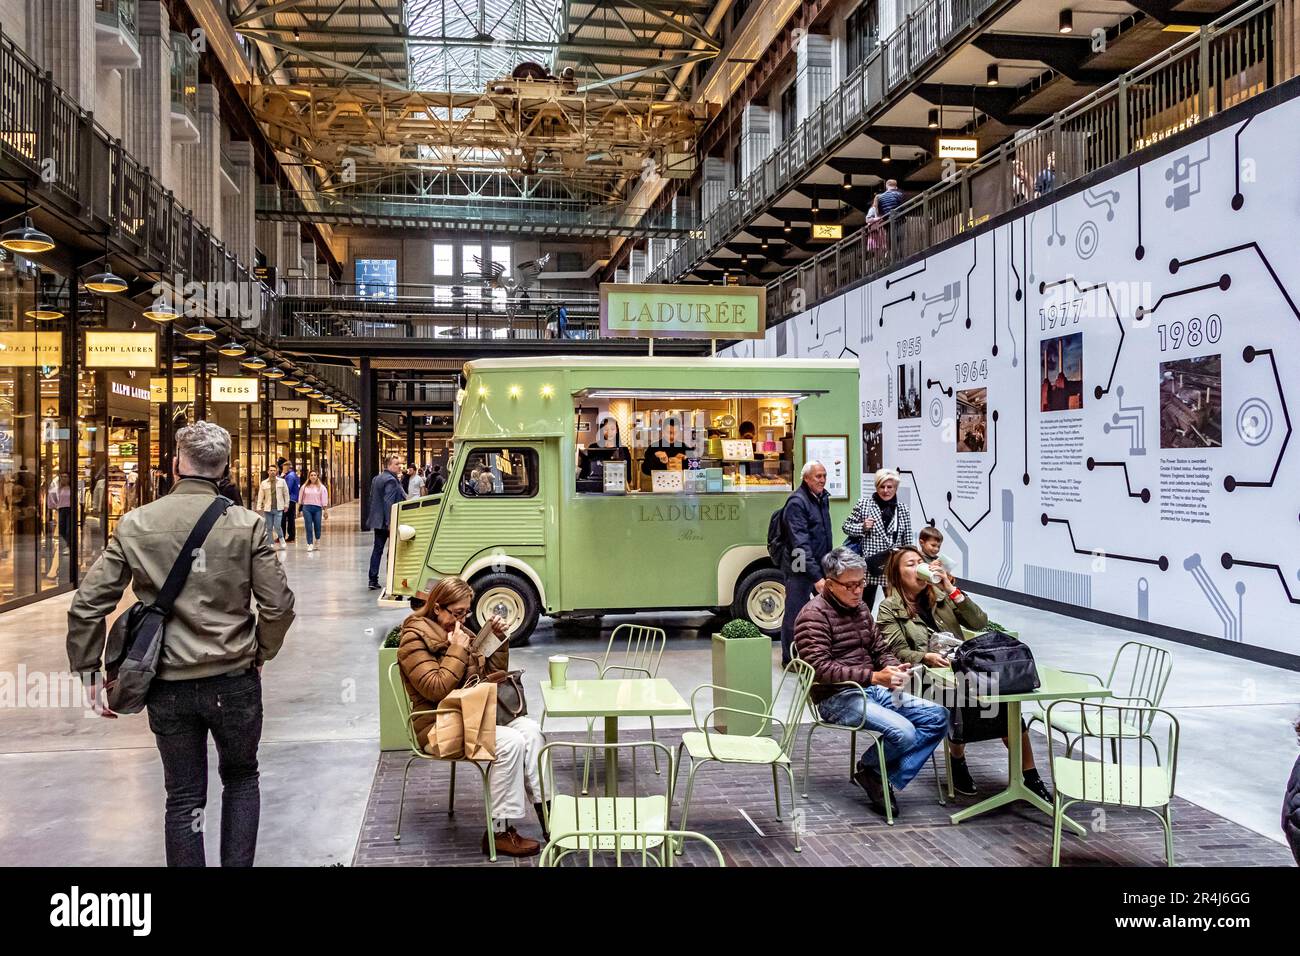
(689, 512)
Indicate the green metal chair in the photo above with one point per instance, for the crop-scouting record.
(642, 842)
(1122, 782)
(754, 749)
(639, 656)
(579, 822)
(484, 767)
(1139, 674)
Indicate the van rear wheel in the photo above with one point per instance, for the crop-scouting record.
(511, 598)
(760, 599)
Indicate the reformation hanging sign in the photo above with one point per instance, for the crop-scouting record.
(106, 349)
(234, 390)
(682, 311)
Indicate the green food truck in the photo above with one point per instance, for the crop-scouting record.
(584, 486)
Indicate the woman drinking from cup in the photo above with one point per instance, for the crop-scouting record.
(924, 600)
(436, 656)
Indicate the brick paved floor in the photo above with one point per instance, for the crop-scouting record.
(840, 828)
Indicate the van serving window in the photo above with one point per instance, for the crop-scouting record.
(499, 473)
(684, 441)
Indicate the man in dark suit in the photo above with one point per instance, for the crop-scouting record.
(385, 491)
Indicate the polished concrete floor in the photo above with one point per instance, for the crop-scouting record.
(78, 790)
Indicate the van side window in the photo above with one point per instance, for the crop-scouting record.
(499, 473)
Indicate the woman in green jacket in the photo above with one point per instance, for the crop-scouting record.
(914, 609)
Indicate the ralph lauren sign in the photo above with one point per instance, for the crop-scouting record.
(108, 349)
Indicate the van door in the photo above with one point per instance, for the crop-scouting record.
(494, 502)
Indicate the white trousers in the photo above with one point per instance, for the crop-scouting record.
(515, 785)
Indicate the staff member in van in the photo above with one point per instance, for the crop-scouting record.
(608, 447)
(668, 448)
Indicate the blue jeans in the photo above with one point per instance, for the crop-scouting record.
(311, 521)
(274, 532)
(911, 727)
(181, 715)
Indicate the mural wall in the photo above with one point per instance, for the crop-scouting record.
(1092, 401)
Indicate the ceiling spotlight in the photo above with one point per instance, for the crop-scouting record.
(744, 258)
(26, 239)
(106, 283)
(160, 311)
(233, 349)
(992, 75)
(1066, 23)
(848, 180)
(886, 155)
(763, 244)
(200, 333)
(934, 119)
(786, 227)
(816, 208)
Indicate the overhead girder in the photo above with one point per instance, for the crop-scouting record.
(994, 101)
(1065, 55)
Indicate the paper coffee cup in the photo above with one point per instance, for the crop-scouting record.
(559, 665)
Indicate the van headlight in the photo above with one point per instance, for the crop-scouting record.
(405, 532)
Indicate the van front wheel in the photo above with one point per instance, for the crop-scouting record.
(760, 599)
(511, 598)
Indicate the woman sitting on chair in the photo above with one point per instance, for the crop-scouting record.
(436, 656)
(915, 609)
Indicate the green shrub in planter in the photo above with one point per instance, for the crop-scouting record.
(740, 629)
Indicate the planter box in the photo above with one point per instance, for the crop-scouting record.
(392, 735)
(742, 664)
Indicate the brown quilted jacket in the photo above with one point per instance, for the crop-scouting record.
(840, 643)
(431, 668)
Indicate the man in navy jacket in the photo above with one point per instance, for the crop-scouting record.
(385, 491)
(807, 517)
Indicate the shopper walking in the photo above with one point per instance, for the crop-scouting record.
(314, 498)
(415, 487)
(291, 513)
(272, 501)
(385, 491)
(209, 673)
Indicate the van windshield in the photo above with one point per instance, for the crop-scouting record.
(662, 443)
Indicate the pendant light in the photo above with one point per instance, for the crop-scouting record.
(106, 282)
(160, 311)
(232, 349)
(991, 76)
(43, 312)
(200, 333)
(934, 119)
(1066, 22)
(886, 154)
(290, 380)
(273, 373)
(254, 363)
(26, 239)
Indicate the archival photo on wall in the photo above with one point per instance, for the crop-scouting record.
(1061, 364)
(1191, 403)
(909, 390)
(972, 419)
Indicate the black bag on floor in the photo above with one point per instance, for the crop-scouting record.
(136, 639)
(1006, 664)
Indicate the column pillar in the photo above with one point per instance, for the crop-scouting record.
(814, 72)
(714, 184)
(61, 38)
(148, 127)
(368, 441)
(203, 161)
(240, 211)
(755, 138)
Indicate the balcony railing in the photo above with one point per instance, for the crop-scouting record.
(839, 118)
(1249, 50)
(471, 212)
(118, 13)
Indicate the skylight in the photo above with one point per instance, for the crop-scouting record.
(459, 46)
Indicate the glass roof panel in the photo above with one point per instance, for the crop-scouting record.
(459, 46)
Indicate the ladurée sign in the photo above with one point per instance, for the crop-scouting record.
(106, 349)
(682, 311)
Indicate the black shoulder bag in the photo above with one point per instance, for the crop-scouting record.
(135, 642)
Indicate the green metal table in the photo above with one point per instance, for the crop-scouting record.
(1054, 685)
(612, 699)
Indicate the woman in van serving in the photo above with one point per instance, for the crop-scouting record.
(608, 446)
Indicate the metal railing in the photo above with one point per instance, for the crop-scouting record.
(840, 117)
(473, 212)
(1249, 50)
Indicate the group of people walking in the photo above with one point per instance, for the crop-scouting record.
(282, 494)
(830, 596)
